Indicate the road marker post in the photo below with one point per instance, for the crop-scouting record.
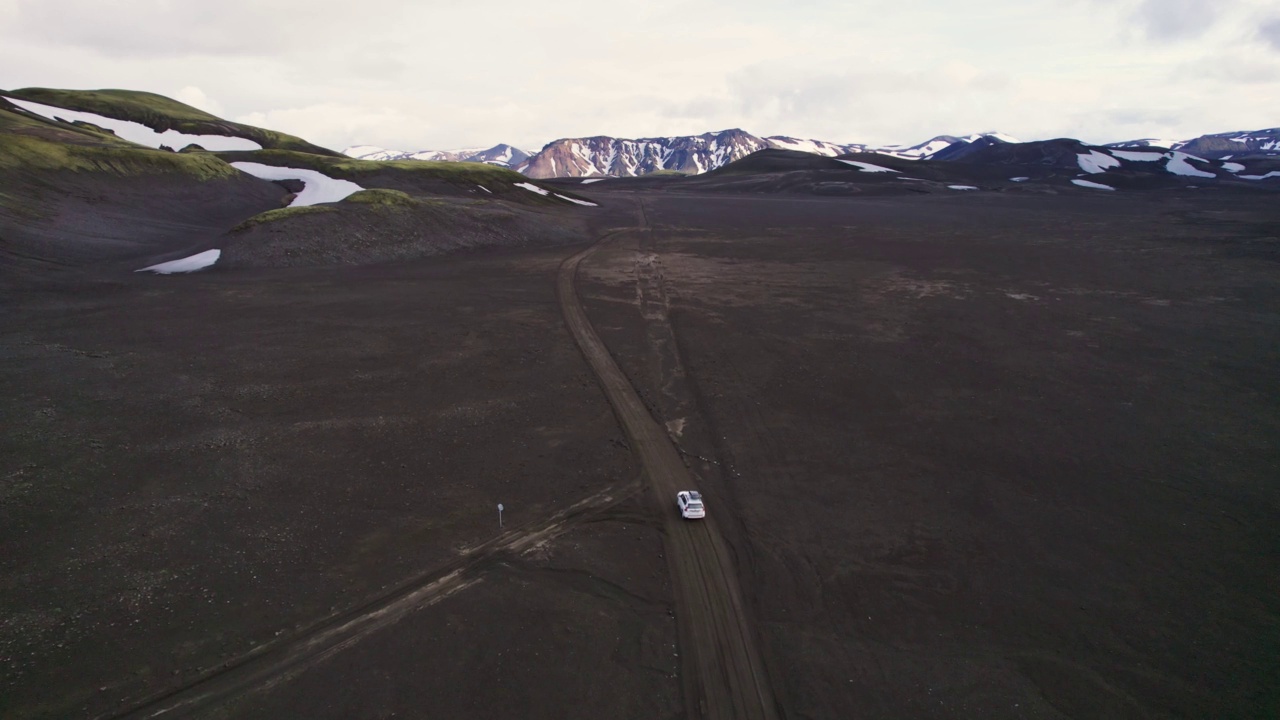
(499, 515)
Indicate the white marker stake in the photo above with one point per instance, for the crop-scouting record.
(499, 514)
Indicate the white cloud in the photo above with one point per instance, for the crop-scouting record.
(196, 98)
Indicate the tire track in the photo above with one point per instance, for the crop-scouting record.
(722, 671)
(270, 664)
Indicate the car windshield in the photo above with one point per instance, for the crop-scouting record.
(694, 495)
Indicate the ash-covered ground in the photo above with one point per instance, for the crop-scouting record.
(980, 454)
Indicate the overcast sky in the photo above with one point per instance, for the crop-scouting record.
(435, 75)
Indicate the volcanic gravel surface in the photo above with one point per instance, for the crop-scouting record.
(965, 455)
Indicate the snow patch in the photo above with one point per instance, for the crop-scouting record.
(1096, 162)
(199, 261)
(1232, 167)
(532, 188)
(963, 187)
(1019, 179)
(317, 187)
(485, 189)
(1094, 185)
(1273, 173)
(137, 132)
(576, 201)
(1178, 165)
(867, 167)
(592, 180)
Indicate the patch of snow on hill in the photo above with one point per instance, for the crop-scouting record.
(1178, 165)
(137, 132)
(199, 261)
(786, 143)
(1136, 156)
(1148, 142)
(318, 187)
(816, 147)
(1096, 162)
(1273, 173)
(1232, 167)
(1094, 185)
(531, 188)
(915, 152)
(1019, 179)
(962, 187)
(592, 180)
(575, 201)
(867, 167)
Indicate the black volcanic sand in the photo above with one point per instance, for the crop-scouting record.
(360, 234)
(979, 455)
(77, 219)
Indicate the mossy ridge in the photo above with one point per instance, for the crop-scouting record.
(161, 113)
(20, 152)
(383, 197)
(14, 120)
(284, 213)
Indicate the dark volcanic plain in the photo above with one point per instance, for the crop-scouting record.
(984, 454)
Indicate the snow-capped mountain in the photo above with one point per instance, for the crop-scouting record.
(1219, 145)
(1146, 143)
(1068, 156)
(621, 157)
(930, 148)
(604, 156)
(817, 147)
(1233, 144)
(502, 154)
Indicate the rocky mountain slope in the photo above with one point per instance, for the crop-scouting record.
(696, 154)
(605, 156)
(1221, 146)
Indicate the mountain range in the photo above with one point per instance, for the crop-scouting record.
(605, 156)
(501, 154)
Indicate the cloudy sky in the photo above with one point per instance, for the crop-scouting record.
(436, 75)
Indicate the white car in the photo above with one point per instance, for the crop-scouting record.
(690, 504)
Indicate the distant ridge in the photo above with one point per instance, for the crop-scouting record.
(606, 156)
(501, 154)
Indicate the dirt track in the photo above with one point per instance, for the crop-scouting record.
(723, 674)
(270, 664)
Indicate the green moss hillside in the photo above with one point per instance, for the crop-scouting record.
(28, 145)
(161, 113)
(285, 213)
